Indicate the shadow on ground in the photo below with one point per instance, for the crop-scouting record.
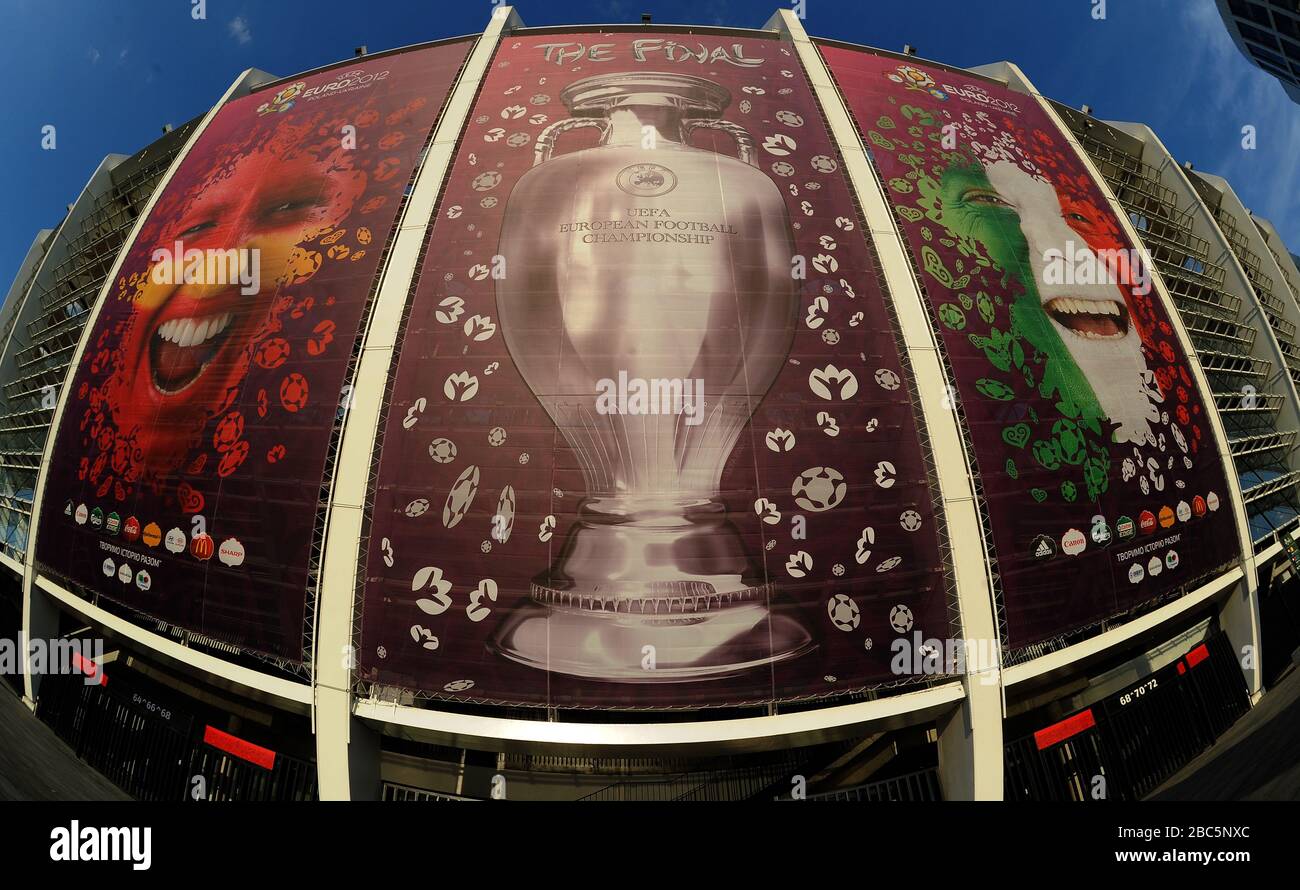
(1257, 759)
(35, 764)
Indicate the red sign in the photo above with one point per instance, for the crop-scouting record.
(89, 668)
(1059, 732)
(244, 750)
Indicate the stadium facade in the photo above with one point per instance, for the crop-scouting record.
(440, 424)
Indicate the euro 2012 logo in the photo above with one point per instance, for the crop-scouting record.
(283, 100)
(916, 79)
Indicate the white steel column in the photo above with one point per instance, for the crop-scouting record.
(1240, 612)
(970, 737)
(347, 752)
(40, 615)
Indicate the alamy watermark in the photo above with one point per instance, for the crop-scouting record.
(87, 843)
(920, 656)
(223, 266)
(654, 395)
(78, 655)
(1081, 264)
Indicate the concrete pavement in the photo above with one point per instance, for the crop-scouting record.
(1257, 759)
(35, 764)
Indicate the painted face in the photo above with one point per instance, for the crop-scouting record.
(188, 344)
(1094, 350)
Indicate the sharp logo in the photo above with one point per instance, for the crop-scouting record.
(231, 552)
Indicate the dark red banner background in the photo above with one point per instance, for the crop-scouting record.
(186, 472)
(470, 450)
(1097, 504)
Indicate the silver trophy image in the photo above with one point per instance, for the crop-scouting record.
(649, 305)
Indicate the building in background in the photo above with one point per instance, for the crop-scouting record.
(526, 468)
(1268, 33)
(47, 308)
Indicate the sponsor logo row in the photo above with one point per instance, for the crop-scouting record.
(1101, 533)
(201, 546)
(124, 573)
(1155, 565)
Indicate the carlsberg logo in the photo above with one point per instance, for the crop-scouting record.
(656, 395)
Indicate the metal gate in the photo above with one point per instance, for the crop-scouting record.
(1279, 621)
(1123, 747)
(152, 753)
(922, 785)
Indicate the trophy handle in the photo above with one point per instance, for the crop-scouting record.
(547, 138)
(744, 142)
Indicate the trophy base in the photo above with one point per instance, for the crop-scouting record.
(611, 645)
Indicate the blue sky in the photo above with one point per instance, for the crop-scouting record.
(108, 75)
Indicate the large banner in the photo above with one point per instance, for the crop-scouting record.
(650, 441)
(1099, 464)
(186, 472)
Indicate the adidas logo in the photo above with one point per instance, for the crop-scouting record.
(1043, 548)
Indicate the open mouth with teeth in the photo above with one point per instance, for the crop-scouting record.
(1090, 319)
(181, 348)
